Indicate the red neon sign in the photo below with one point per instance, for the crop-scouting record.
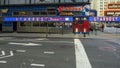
(70, 8)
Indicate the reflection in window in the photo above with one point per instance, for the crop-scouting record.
(36, 13)
(81, 0)
(15, 13)
(22, 24)
(69, 0)
(25, 23)
(49, 24)
(44, 1)
(35, 23)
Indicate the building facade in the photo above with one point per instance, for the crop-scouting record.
(41, 16)
(101, 5)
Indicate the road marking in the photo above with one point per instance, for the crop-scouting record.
(11, 54)
(25, 44)
(6, 56)
(42, 39)
(49, 52)
(3, 53)
(41, 65)
(3, 61)
(82, 60)
(21, 50)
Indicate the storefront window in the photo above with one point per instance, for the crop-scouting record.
(22, 23)
(43, 24)
(25, 24)
(47, 24)
(15, 13)
(35, 13)
(36, 24)
(51, 24)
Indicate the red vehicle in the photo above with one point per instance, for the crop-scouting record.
(81, 26)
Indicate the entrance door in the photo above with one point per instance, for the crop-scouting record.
(0, 27)
(14, 26)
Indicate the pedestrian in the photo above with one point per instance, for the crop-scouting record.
(95, 28)
(102, 27)
(91, 28)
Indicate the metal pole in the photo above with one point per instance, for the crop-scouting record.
(4, 2)
(47, 28)
(59, 1)
(29, 1)
(8, 2)
(84, 34)
(0, 2)
(116, 31)
(25, 2)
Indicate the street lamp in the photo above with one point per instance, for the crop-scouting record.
(47, 27)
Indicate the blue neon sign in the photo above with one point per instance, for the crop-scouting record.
(104, 19)
(59, 19)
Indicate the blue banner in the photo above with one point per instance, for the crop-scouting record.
(104, 19)
(57, 19)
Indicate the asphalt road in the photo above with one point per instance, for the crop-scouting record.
(58, 53)
(102, 53)
(36, 53)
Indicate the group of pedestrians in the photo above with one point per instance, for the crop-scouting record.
(95, 27)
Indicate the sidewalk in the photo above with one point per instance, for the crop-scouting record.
(39, 35)
(112, 30)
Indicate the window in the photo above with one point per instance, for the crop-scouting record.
(43, 13)
(15, 13)
(51, 13)
(25, 23)
(51, 24)
(36, 23)
(43, 24)
(22, 13)
(22, 23)
(0, 13)
(36, 13)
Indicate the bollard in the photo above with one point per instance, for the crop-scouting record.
(76, 31)
(84, 32)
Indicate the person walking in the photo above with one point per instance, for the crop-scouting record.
(95, 28)
(102, 27)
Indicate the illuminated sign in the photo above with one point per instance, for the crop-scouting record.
(71, 8)
(103, 19)
(112, 13)
(38, 19)
(113, 6)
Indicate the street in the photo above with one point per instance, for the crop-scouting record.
(102, 53)
(59, 53)
(36, 53)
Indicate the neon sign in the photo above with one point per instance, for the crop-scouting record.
(38, 19)
(71, 8)
(103, 19)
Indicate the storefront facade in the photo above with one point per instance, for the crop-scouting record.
(41, 18)
(113, 9)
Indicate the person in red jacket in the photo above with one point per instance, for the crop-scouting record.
(86, 25)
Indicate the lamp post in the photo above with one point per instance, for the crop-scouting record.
(47, 27)
(4, 2)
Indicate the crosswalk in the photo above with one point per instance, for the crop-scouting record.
(82, 60)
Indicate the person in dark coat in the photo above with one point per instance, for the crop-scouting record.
(102, 27)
